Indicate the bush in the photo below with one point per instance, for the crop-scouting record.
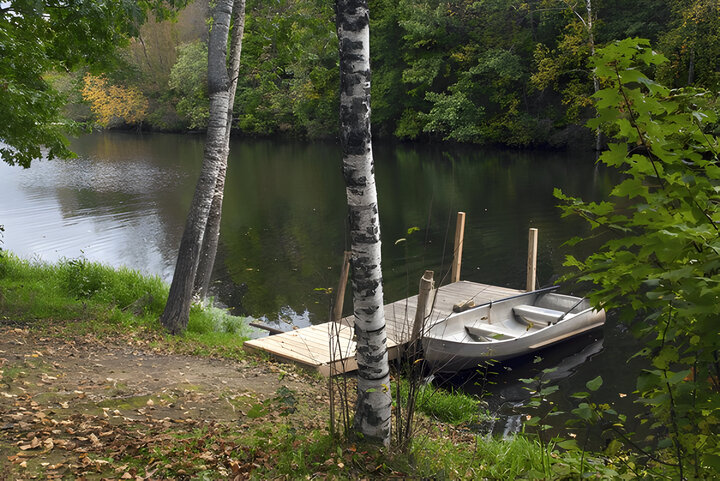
(661, 264)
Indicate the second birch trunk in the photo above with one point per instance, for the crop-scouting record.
(212, 230)
(177, 309)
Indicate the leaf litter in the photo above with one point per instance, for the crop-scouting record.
(85, 407)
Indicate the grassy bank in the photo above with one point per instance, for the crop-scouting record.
(87, 296)
(270, 422)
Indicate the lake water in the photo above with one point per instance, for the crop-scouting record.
(123, 201)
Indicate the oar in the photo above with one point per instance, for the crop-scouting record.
(568, 311)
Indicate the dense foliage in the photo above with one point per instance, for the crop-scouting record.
(38, 37)
(660, 264)
(510, 72)
(110, 101)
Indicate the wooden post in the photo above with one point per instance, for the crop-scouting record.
(426, 287)
(342, 285)
(459, 238)
(532, 259)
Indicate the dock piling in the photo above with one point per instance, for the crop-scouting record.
(457, 252)
(532, 259)
(426, 287)
(342, 285)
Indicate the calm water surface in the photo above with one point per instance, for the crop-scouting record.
(123, 201)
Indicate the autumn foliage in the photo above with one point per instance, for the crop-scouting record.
(109, 102)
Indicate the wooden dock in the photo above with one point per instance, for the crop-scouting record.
(328, 348)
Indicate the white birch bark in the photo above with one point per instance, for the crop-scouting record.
(212, 230)
(177, 309)
(373, 407)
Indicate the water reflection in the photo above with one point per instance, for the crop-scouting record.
(604, 352)
(123, 201)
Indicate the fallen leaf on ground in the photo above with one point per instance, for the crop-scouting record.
(33, 444)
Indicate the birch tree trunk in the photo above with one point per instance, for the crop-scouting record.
(212, 230)
(372, 410)
(177, 310)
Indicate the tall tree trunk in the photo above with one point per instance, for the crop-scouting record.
(212, 230)
(596, 82)
(372, 410)
(691, 68)
(177, 310)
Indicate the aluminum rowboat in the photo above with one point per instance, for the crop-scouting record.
(507, 328)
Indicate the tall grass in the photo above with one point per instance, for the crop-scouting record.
(450, 407)
(79, 290)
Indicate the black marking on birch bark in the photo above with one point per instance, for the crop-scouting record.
(371, 360)
(347, 45)
(369, 311)
(357, 192)
(369, 415)
(364, 271)
(372, 332)
(358, 220)
(366, 281)
(356, 183)
(369, 371)
(361, 238)
(355, 135)
(368, 237)
(357, 15)
(370, 366)
(364, 264)
(365, 335)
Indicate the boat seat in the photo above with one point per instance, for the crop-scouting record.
(537, 315)
(489, 331)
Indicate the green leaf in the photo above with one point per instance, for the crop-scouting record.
(569, 444)
(583, 411)
(594, 384)
(548, 390)
(712, 460)
(678, 377)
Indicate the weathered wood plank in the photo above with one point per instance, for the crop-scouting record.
(310, 347)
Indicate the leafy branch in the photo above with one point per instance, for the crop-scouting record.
(660, 269)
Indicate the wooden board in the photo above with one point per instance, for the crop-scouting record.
(309, 347)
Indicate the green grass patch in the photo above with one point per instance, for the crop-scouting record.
(489, 458)
(78, 290)
(106, 301)
(446, 406)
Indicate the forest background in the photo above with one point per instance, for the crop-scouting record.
(507, 72)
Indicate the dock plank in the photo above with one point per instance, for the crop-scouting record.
(309, 347)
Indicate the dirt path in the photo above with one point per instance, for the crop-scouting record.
(64, 400)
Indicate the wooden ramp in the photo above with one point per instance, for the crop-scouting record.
(311, 347)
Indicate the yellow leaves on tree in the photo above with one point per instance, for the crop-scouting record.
(111, 101)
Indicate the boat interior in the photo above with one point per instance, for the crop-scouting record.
(506, 321)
